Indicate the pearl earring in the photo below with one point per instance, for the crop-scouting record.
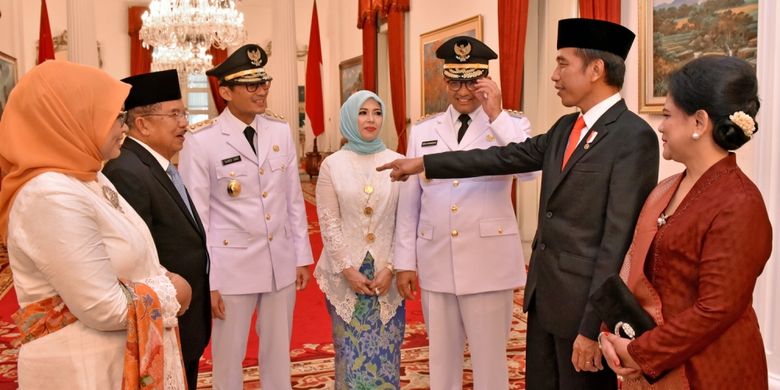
(696, 136)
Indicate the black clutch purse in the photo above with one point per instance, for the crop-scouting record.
(617, 307)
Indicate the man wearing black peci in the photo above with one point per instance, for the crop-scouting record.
(597, 168)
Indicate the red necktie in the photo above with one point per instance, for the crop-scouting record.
(574, 139)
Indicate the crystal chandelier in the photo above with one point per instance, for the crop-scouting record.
(184, 61)
(192, 26)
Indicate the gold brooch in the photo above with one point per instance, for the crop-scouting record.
(112, 198)
(233, 188)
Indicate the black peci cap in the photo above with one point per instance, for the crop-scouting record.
(465, 58)
(595, 34)
(244, 66)
(153, 87)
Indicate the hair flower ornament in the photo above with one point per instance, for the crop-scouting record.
(745, 122)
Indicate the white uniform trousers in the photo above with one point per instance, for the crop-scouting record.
(274, 329)
(485, 320)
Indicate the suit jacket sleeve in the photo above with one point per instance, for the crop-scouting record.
(517, 157)
(510, 129)
(634, 175)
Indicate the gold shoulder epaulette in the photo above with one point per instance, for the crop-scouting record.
(273, 116)
(428, 116)
(195, 127)
(515, 113)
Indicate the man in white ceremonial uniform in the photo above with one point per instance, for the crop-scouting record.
(461, 236)
(242, 172)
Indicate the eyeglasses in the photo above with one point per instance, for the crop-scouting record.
(265, 85)
(122, 117)
(455, 85)
(175, 115)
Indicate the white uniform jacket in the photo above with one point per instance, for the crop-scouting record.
(259, 236)
(461, 235)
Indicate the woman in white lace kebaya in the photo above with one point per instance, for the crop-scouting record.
(97, 310)
(356, 207)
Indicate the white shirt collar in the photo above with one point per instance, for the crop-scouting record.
(235, 124)
(164, 163)
(454, 114)
(599, 109)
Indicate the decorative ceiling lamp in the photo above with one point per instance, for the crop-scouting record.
(182, 60)
(190, 27)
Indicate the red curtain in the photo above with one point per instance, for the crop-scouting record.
(608, 10)
(512, 23)
(217, 57)
(395, 11)
(140, 57)
(367, 14)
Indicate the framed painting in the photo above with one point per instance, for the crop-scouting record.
(672, 33)
(350, 76)
(8, 78)
(433, 96)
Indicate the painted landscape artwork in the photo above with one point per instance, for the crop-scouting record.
(685, 29)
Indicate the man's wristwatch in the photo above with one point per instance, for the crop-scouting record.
(389, 266)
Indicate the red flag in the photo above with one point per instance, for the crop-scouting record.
(45, 43)
(314, 105)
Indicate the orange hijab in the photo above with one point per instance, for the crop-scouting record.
(56, 119)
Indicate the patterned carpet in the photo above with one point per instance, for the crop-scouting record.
(312, 366)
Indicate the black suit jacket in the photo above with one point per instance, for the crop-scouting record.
(587, 212)
(180, 238)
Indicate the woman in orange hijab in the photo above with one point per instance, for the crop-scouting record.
(97, 309)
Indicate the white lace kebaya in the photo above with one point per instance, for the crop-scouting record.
(354, 221)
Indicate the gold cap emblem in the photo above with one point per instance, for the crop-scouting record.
(462, 51)
(254, 57)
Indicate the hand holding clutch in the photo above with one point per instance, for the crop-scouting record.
(616, 306)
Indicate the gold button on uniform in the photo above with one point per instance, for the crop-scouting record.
(500, 230)
(265, 194)
(261, 171)
(454, 208)
(270, 237)
(455, 183)
(276, 148)
(225, 242)
(454, 233)
(267, 217)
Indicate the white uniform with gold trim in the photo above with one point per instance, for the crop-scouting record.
(462, 238)
(257, 235)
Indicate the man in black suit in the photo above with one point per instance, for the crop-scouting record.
(598, 166)
(144, 175)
